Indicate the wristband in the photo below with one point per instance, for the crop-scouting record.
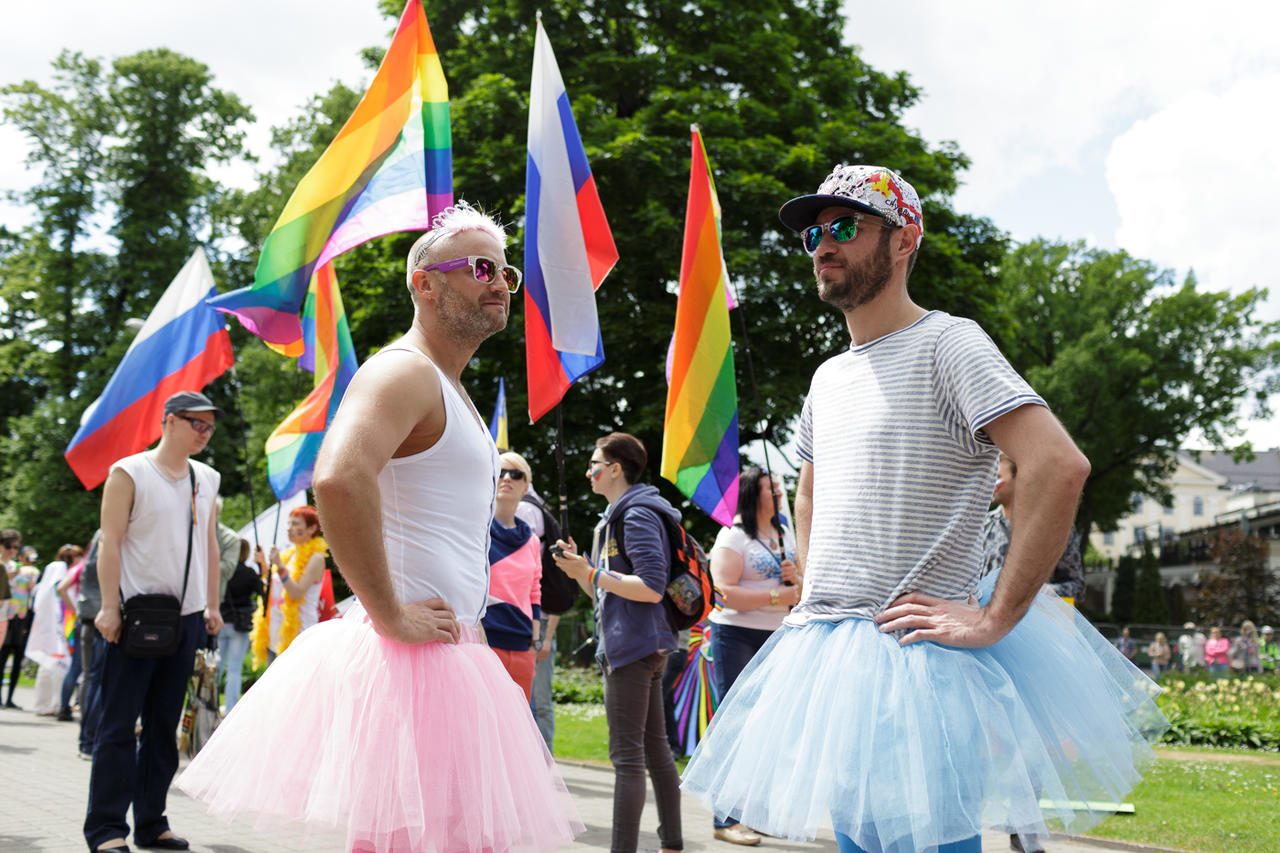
(597, 572)
(773, 597)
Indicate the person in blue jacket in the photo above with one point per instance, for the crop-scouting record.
(635, 635)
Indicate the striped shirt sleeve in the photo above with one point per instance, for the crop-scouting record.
(975, 384)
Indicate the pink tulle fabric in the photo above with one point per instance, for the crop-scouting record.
(410, 748)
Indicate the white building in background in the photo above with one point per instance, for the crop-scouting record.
(1199, 493)
(1207, 494)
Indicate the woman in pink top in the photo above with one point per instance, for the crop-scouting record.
(512, 620)
(1215, 652)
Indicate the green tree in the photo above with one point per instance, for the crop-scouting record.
(132, 144)
(1150, 606)
(1124, 593)
(65, 128)
(1131, 363)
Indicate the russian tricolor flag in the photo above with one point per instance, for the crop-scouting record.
(568, 248)
(183, 346)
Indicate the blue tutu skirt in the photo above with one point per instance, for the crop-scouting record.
(909, 748)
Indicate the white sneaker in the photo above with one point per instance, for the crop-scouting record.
(737, 834)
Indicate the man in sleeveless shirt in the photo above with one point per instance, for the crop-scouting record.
(151, 509)
(395, 408)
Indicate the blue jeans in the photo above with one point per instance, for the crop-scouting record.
(969, 845)
(129, 770)
(544, 712)
(732, 648)
(69, 681)
(234, 645)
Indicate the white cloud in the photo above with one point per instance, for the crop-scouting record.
(1196, 183)
(274, 55)
(1034, 92)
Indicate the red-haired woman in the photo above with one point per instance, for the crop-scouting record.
(296, 573)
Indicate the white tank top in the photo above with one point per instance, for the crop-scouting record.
(436, 507)
(154, 551)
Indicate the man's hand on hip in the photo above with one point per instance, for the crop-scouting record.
(959, 624)
(430, 621)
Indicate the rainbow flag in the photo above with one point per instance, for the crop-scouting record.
(328, 353)
(498, 425)
(568, 247)
(700, 433)
(389, 169)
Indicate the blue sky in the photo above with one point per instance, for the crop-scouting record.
(1142, 125)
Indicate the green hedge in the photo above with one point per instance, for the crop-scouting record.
(576, 685)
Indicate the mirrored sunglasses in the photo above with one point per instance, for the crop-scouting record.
(485, 270)
(511, 473)
(842, 229)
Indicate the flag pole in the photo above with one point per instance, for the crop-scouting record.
(755, 400)
(248, 477)
(564, 483)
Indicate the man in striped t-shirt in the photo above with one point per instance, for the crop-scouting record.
(899, 438)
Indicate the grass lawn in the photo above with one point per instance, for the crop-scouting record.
(581, 732)
(1204, 800)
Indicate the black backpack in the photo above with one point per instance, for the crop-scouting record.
(690, 594)
(559, 591)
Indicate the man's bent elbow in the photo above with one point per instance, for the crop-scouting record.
(1074, 469)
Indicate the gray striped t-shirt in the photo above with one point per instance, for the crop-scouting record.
(902, 469)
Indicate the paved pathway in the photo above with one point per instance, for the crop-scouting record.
(43, 785)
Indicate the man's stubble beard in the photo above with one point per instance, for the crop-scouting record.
(467, 323)
(860, 284)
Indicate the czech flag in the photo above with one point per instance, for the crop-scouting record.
(568, 248)
(183, 346)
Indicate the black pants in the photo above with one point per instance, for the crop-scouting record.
(15, 643)
(91, 666)
(638, 740)
(137, 771)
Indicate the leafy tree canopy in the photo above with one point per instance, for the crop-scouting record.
(1131, 362)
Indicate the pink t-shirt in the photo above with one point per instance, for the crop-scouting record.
(1215, 651)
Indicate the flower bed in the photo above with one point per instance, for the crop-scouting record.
(1242, 712)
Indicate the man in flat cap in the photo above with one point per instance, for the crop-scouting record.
(158, 537)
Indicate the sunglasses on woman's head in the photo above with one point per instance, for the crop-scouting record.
(485, 270)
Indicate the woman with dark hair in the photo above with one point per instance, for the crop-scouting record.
(758, 583)
(295, 586)
(626, 577)
(238, 607)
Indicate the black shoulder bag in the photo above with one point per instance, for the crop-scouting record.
(153, 622)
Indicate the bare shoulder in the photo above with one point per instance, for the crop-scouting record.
(394, 399)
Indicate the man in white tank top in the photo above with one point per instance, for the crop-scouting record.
(414, 549)
(150, 510)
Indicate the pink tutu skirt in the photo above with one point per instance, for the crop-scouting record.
(410, 748)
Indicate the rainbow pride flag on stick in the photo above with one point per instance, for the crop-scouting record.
(568, 247)
(329, 354)
(700, 433)
(389, 169)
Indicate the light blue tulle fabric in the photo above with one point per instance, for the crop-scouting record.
(908, 748)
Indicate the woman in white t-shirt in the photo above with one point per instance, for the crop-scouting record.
(759, 583)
